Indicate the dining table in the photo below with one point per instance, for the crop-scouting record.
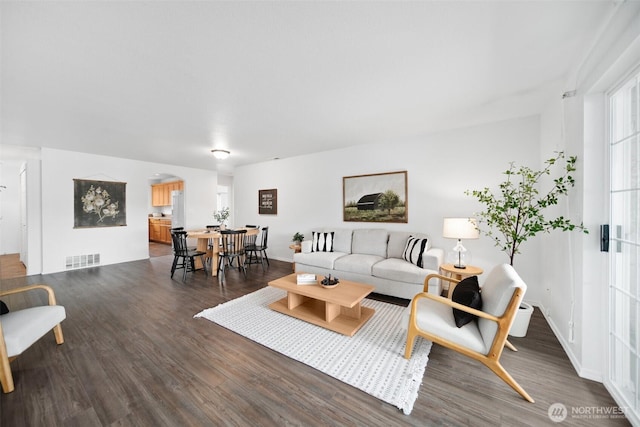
(204, 236)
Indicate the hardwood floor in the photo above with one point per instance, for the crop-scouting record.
(159, 249)
(135, 356)
(11, 266)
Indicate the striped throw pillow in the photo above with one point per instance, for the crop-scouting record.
(414, 250)
(322, 242)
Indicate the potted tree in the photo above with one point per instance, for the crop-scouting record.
(517, 211)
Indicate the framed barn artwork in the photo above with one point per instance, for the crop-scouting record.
(380, 197)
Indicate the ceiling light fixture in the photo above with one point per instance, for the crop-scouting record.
(220, 154)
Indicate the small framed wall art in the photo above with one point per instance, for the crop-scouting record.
(380, 197)
(268, 202)
(99, 203)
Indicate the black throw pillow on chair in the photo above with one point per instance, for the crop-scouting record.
(467, 292)
(3, 308)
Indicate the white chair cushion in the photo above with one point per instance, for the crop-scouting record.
(22, 328)
(437, 319)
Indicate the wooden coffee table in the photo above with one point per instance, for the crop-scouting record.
(337, 309)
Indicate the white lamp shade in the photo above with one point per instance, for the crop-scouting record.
(460, 228)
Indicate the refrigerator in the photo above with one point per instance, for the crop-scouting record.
(177, 209)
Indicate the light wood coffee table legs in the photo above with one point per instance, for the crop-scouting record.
(344, 320)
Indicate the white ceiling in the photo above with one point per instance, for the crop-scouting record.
(168, 81)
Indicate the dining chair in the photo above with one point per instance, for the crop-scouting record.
(183, 257)
(232, 248)
(211, 228)
(257, 253)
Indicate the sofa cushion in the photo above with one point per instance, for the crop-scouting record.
(397, 242)
(357, 263)
(467, 292)
(370, 242)
(318, 259)
(341, 239)
(306, 246)
(415, 249)
(399, 270)
(322, 242)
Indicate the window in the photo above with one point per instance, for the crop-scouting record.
(624, 302)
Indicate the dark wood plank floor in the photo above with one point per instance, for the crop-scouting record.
(135, 356)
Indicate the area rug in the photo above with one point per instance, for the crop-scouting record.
(372, 360)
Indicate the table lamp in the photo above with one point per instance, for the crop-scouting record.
(460, 228)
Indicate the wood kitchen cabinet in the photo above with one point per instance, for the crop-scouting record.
(161, 193)
(160, 230)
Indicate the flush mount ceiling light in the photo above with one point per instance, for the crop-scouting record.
(220, 154)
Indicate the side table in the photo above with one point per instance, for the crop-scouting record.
(459, 273)
(296, 249)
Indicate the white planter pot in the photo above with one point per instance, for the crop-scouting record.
(521, 322)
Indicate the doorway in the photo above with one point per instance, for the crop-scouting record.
(163, 212)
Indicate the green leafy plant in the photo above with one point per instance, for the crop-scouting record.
(516, 212)
(222, 215)
(389, 200)
(298, 238)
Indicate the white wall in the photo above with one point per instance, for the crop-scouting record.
(10, 206)
(575, 274)
(114, 244)
(440, 168)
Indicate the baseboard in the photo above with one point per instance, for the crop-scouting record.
(588, 374)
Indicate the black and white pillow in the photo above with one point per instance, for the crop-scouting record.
(322, 242)
(414, 250)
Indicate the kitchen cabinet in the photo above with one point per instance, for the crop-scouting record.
(161, 193)
(160, 230)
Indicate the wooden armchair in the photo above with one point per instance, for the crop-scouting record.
(21, 328)
(432, 318)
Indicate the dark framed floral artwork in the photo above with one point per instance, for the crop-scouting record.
(380, 197)
(99, 203)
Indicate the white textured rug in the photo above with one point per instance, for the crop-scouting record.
(372, 360)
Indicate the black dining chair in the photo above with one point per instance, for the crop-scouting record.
(183, 257)
(231, 249)
(257, 253)
(181, 229)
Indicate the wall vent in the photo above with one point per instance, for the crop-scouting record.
(82, 261)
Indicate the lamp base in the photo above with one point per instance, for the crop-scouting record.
(460, 260)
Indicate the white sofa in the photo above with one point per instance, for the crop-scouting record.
(374, 257)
